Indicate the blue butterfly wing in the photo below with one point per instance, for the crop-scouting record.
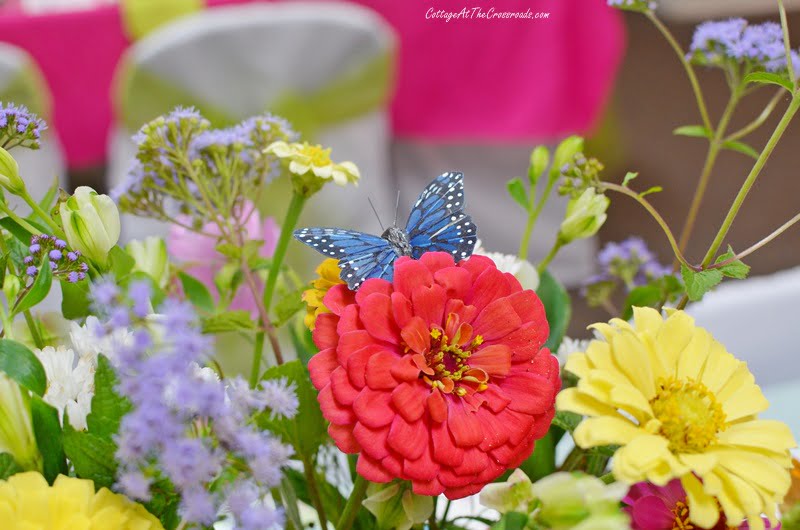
(437, 222)
(361, 256)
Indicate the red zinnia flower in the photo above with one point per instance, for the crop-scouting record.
(438, 377)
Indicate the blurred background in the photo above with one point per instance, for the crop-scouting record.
(408, 95)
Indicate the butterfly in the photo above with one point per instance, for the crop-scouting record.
(437, 223)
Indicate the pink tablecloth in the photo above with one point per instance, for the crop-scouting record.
(472, 78)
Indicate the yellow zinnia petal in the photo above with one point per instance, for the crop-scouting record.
(702, 506)
(607, 430)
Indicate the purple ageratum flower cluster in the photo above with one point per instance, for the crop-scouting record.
(185, 425)
(180, 154)
(719, 42)
(629, 261)
(64, 263)
(19, 127)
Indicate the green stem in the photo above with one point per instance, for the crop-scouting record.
(532, 217)
(350, 511)
(41, 213)
(794, 106)
(313, 491)
(258, 352)
(713, 150)
(573, 460)
(289, 222)
(550, 255)
(37, 337)
(743, 254)
(20, 221)
(698, 93)
(759, 121)
(751, 178)
(654, 213)
(786, 44)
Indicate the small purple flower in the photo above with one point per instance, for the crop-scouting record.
(72, 256)
(35, 248)
(27, 260)
(55, 255)
(18, 126)
(73, 277)
(31, 271)
(53, 265)
(139, 293)
(61, 244)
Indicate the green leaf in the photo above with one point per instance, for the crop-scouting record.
(741, 147)
(228, 321)
(769, 78)
(47, 430)
(543, 460)
(197, 293)
(643, 296)
(288, 306)
(49, 198)
(511, 521)
(18, 231)
(108, 407)
(120, 262)
(290, 502)
(557, 306)
(517, 191)
(699, 283)
(8, 466)
(696, 131)
(735, 269)
(39, 289)
(21, 365)
(92, 456)
(75, 302)
(648, 191)
(629, 176)
(229, 250)
(307, 430)
(567, 420)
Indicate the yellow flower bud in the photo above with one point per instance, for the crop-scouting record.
(91, 223)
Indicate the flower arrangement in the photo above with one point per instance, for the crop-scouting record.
(417, 368)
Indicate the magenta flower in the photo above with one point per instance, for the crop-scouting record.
(654, 507)
(198, 251)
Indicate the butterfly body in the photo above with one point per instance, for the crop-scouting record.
(437, 223)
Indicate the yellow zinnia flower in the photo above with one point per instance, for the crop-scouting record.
(328, 272)
(27, 501)
(311, 166)
(680, 406)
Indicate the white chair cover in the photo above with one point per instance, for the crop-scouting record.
(242, 59)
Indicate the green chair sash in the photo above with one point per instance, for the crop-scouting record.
(140, 17)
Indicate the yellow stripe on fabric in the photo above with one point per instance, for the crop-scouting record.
(140, 17)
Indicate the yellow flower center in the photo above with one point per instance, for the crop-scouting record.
(681, 512)
(447, 368)
(316, 154)
(689, 413)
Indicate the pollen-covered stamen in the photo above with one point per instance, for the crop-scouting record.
(681, 513)
(445, 365)
(690, 416)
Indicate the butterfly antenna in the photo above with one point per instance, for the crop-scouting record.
(376, 213)
(396, 207)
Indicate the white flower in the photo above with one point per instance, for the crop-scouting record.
(522, 269)
(570, 346)
(88, 346)
(91, 223)
(70, 383)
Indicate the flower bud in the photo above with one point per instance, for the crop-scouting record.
(585, 215)
(16, 425)
(9, 173)
(11, 286)
(564, 154)
(150, 256)
(91, 223)
(576, 500)
(514, 495)
(394, 505)
(540, 157)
